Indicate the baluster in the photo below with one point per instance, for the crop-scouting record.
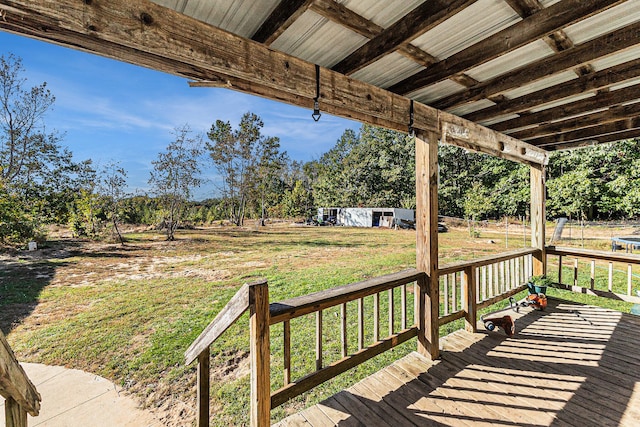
(391, 311)
(560, 269)
(610, 277)
(454, 296)
(343, 325)
(203, 387)
(403, 305)
(318, 340)
(575, 272)
(287, 351)
(629, 278)
(490, 278)
(446, 294)
(376, 317)
(360, 324)
(483, 273)
(593, 274)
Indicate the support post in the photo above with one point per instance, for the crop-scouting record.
(427, 243)
(260, 354)
(538, 218)
(203, 388)
(15, 416)
(469, 289)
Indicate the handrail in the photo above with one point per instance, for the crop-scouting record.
(235, 308)
(317, 301)
(16, 387)
(490, 259)
(593, 254)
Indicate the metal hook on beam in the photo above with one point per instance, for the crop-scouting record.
(316, 105)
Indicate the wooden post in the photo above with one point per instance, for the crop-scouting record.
(469, 289)
(260, 354)
(538, 218)
(15, 416)
(427, 242)
(203, 387)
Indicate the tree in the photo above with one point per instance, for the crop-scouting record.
(112, 188)
(248, 163)
(477, 202)
(175, 174)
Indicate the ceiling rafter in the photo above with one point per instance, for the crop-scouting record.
(619, 112)
(145, 33)
(589, 132)
(586, 142)
(543, 23)
(586, 52)
(420, 20)
(582, 106)
(591, 82)
(285, 14)
(558, 41)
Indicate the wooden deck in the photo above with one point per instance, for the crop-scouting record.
(570, 365)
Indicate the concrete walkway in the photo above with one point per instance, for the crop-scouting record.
(72, 398)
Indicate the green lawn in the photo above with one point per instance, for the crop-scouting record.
(129, 313)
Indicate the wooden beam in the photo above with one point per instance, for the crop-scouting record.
(566, 60)
(592, 82)
(590, 132)
(466, 134)
(14, 383)
(583, 106)
(543, 23)
(420, 20)
(538, 218)
(612, 137)
(144, 33)
(347, 18)
(620, 112)
(285, 14)
(427, 243)
(558, 41)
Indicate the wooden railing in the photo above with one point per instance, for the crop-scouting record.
(386, 305)
(601, 273)
(21, 396)
(317, 303)
(468, 286)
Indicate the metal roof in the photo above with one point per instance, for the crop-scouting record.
(507, 64)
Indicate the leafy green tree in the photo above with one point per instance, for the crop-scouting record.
(112, 189)
(477, 202)
(175, 174)
(248, 162)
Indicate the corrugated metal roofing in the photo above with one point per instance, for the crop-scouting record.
(478, 21)
(320, 34)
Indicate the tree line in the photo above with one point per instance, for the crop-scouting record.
(40, 183)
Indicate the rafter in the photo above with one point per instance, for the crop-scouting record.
(563, 61)
(612, 137)
(592, 82)
(619, 112)
(145, 33)
(543, 23)
(280, 19)
(583, 106)
(420, 20)
(590, 132)
(558, 41)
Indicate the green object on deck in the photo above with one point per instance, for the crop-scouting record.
(635, 309)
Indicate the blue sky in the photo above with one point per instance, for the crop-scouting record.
(112, 111)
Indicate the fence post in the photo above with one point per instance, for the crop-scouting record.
(260, 354)
(469, 289)
(203, 388)
(14, 414)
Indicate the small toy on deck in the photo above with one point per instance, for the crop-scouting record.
(536, 301)
(504, 322)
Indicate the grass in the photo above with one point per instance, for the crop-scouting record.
(129, 313)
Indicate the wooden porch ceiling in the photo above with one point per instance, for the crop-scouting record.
(553, 73)
(570, 365)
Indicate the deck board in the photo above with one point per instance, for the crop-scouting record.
(570, 365)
